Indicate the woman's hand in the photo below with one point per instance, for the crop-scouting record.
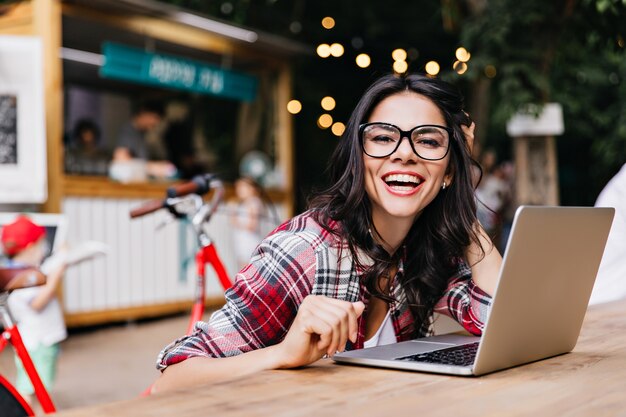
(322, 326)
(468, 132)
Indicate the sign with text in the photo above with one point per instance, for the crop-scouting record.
(136, 65)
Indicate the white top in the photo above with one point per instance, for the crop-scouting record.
(611, 279)
(45, 327)
(384, 335)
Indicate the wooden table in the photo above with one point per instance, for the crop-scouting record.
(590, 381)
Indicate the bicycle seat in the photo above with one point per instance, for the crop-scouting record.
(15, 278)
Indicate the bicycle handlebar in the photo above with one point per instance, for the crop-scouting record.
(149, 207)
(200, 184)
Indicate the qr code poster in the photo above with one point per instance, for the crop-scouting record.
(22, 121)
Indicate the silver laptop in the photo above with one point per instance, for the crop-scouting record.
(548, 271)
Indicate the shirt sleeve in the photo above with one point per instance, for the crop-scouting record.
(464, 301)
(259, 308)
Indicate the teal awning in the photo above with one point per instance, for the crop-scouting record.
(133, 64)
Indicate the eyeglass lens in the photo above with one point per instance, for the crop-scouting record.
(429, 142)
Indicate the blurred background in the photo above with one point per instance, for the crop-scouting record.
(570, 52)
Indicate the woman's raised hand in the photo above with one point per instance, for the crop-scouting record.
(468, 132)
(322, 326)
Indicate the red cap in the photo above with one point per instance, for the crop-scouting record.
(19, 234)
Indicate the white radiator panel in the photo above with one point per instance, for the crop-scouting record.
(146, 265)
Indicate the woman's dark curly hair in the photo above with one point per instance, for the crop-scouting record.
(439, 236)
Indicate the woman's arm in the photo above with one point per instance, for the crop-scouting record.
(485, 263)
(485, 269)
(322, 326)
(467, 298)
(202, 370)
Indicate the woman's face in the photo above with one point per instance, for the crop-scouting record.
(402, 184)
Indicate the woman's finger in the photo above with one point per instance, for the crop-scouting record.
(342, 318)
(337, 317)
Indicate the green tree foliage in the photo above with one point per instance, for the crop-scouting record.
(566, 51)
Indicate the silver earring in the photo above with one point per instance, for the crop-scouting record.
(443, 187)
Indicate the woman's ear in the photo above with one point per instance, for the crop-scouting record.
(449, 175)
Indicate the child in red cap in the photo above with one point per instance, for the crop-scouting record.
(36, 309)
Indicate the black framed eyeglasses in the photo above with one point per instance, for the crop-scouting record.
(429, 142)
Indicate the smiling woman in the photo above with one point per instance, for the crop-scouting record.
(393, 240)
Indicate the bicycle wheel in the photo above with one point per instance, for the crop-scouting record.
(11, 402)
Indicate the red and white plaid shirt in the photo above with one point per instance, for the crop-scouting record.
(297, 259)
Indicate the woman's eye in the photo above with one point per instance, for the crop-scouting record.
(382, 139)
(431, 143)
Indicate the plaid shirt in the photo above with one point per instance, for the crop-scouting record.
(297, 259)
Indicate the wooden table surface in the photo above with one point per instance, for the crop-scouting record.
(590, 381)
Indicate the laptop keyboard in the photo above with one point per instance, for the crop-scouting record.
(462, 355)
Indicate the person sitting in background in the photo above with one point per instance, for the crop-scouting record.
(393, 240)
(610, 282)
(83, 154)
(37, 309)
(132, 143)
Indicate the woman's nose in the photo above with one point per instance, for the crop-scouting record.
(404, 151)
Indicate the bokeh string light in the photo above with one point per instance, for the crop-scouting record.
(328, 22)
(294, 106)
(490, 71)
(328, 103)
(462, 54)
(432, 68)
(338, 128)
(336, 50)
(323, 50)
(400, 66)
(363, 60)
(459, 67)
(325, 121)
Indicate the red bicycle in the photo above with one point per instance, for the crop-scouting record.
(185, 201)
(11, 402)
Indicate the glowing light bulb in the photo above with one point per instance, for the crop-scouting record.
(462, 54)
(325, 121)
(294, 107)
(328, 103)
(363, 60)
(328, 22)
(338, 128)
(336, 49)
(459, 67)
(400, 67)
(323, 50)
(399, 54)
(432, 68)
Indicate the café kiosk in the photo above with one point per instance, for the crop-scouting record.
(87, 45)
